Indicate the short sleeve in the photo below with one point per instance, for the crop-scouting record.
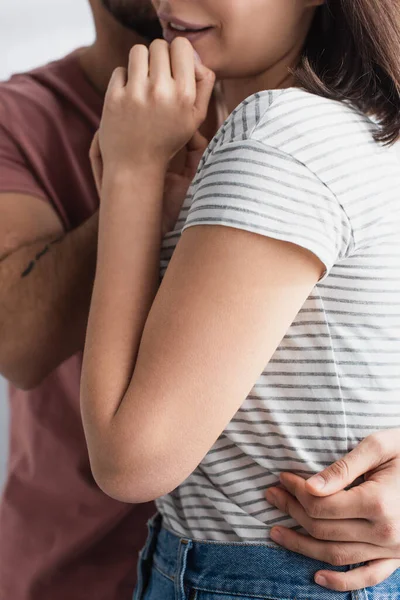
(15, 174)
(251, 186)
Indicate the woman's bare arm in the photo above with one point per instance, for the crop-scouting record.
(155, 403)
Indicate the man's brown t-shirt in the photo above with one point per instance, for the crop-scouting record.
(61, 538)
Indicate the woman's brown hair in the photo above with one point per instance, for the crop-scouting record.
(353, 53)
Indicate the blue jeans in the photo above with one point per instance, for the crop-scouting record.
(174, 568)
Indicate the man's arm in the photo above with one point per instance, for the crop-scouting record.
(46, 279)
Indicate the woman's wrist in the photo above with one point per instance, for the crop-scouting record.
(120, 176)
(131, 205)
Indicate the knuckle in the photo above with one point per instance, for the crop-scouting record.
(286, 505)
(296, 546)
(377, 444)
(337, 557)
(388, 533)
(342, 584)
(136, 98)
(118, 73)
(159, 92)
(371, 580)
(211, 76)
(317, 531)
(340, 469)
(113, 97)
(113, 102)
(380, 507)
(187, 97)
(314, 509)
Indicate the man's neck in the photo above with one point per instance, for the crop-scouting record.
(106, 54)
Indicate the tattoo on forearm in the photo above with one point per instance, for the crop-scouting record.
(57, 240)
(29, 269)
(39, 255)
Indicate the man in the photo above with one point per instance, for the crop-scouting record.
(60, 536)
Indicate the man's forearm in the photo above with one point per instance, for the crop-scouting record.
(44, 303)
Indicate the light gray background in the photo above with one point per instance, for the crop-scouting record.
(33, 32)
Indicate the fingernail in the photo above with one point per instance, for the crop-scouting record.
(276, 535)
(320, 579)
(317, 482)
(197, 57)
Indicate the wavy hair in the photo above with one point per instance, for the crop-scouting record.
(352, 53)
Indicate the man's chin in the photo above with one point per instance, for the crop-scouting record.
(139, 18)
(150, 30)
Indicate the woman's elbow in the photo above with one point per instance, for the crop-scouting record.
(132, 483)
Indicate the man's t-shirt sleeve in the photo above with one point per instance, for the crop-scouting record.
(16, 176)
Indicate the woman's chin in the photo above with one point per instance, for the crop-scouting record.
(208, 60)
(218, 66)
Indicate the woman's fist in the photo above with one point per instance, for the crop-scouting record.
(153, 108)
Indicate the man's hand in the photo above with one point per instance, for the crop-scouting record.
(96, 161)
(361, 524)
(178, 180)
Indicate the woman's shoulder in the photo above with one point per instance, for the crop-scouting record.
(293, 120)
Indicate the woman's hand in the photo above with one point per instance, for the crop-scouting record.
(361, 524)
(153, 108)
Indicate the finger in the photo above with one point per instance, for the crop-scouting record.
(138, 68)
(357, 502)
(117, 81)
(368, 575)
(369, 454)
(205, 80)
(160, 62)
(189, 157)
(198, 143)
(183, 67)
(347, 530)
(333, 553)
(196, 148)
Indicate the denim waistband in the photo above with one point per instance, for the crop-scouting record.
(251, 570)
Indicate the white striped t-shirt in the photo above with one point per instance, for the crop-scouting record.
(296, 167)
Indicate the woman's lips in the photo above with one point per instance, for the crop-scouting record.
(170, 34)
(174, 27)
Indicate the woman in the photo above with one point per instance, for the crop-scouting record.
(273, 342)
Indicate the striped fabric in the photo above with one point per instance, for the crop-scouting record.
(296, 167)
